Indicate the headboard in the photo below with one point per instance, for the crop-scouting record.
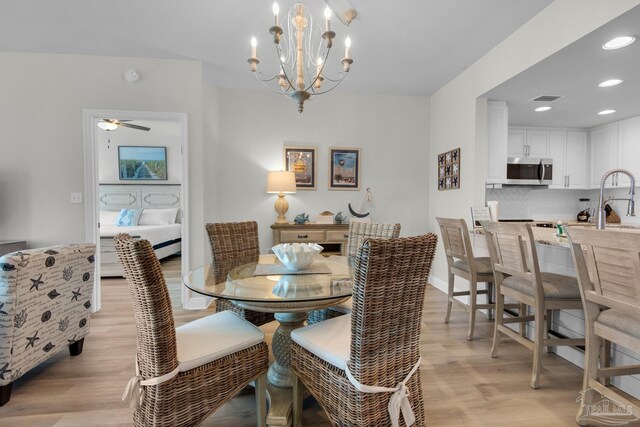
(114, 197)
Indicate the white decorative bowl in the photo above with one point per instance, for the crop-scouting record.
(297, 256)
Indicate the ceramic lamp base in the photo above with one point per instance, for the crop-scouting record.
(281, 206)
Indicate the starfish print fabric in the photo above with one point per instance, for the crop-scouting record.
(45, 304)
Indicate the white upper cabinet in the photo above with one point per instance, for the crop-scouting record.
(577, 159)
(517, 143)
(538, 143)
(558, 152)
(629, 150)
(604, 153)
(497, 127)
(528, 143)
(569, 151)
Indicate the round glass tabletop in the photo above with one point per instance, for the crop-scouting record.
(256, 282)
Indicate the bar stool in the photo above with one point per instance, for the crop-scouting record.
(609, 281)
(462, 263)
(518, 277)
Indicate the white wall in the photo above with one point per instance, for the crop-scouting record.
(391, 131)
(458, 117)
(42, 134)
(163, 133)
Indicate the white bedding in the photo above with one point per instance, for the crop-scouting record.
(155, 234)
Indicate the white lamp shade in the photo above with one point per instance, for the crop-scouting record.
(281, 182)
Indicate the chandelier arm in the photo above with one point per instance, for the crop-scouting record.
(282, 67)
(265, 83)
(331, 88)
(327, 50)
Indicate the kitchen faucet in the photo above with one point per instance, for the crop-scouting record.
(632, 191)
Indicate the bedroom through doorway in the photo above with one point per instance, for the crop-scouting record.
(139, 190)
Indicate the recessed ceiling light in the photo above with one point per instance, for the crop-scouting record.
(545, 108)
(609, 83)
(619, 42)
(605, 112)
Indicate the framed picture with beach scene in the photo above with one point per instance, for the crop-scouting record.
(302, 161)
(344, 173)
(142, 163)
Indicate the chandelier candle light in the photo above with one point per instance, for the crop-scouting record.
(302, 56)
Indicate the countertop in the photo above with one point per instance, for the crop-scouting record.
(547, 235)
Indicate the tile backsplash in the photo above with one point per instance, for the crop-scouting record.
(538, 204)
(552, 205)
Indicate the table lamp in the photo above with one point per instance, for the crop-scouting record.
(281, 183)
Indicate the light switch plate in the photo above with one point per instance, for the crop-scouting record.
(76, 198)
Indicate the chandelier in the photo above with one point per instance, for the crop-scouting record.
(302, 52)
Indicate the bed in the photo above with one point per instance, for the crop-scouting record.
(159, 221)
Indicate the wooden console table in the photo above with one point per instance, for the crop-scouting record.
(8, 246)
(333, 237)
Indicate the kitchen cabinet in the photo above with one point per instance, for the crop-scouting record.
(528, 143)
(569, 152)
(604, 154)
(517, 143)
(498, 134)
(629, 150)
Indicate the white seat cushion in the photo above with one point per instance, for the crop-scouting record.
(329, 340)
(212, 337)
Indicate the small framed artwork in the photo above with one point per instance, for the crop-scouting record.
(449, 170)
(302, 161)
(142, 163)
(344, 173)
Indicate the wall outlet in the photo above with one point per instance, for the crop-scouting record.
(76, 198)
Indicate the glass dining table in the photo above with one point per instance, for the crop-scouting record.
(267, 286)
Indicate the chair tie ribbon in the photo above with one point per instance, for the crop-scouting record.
(134, 393)
(399, 401)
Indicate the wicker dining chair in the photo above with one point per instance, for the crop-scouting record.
(355, 364)
(358, 231)
(234, 244)
(517, 273)
(608, 267)
(184, 374)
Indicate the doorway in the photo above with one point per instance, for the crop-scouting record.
(117, 177)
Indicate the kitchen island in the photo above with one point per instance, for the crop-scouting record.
(554, 255)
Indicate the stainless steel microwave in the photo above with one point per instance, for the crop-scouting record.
(529, 171)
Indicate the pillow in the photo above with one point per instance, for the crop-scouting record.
(129, 217)
(109, 217)
(158, 216)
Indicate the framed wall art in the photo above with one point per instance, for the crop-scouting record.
(142, 163)
(449, 170)
(344, 168)
(302, 161)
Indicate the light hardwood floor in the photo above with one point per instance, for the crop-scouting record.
(462, 385)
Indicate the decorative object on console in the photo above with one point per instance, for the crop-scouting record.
(281, 183)
(340, 218)
(301, 218)
(368, 198)
(449, 170)
(297, 256)
(302, 161)
(325, 217)
(142, 163)
(344, 172)
(303, 51)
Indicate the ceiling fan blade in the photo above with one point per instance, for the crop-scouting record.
(132, 126)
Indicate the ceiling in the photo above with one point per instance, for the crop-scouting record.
(408, 47)
(575, 72)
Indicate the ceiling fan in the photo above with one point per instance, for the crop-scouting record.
(113, 124)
